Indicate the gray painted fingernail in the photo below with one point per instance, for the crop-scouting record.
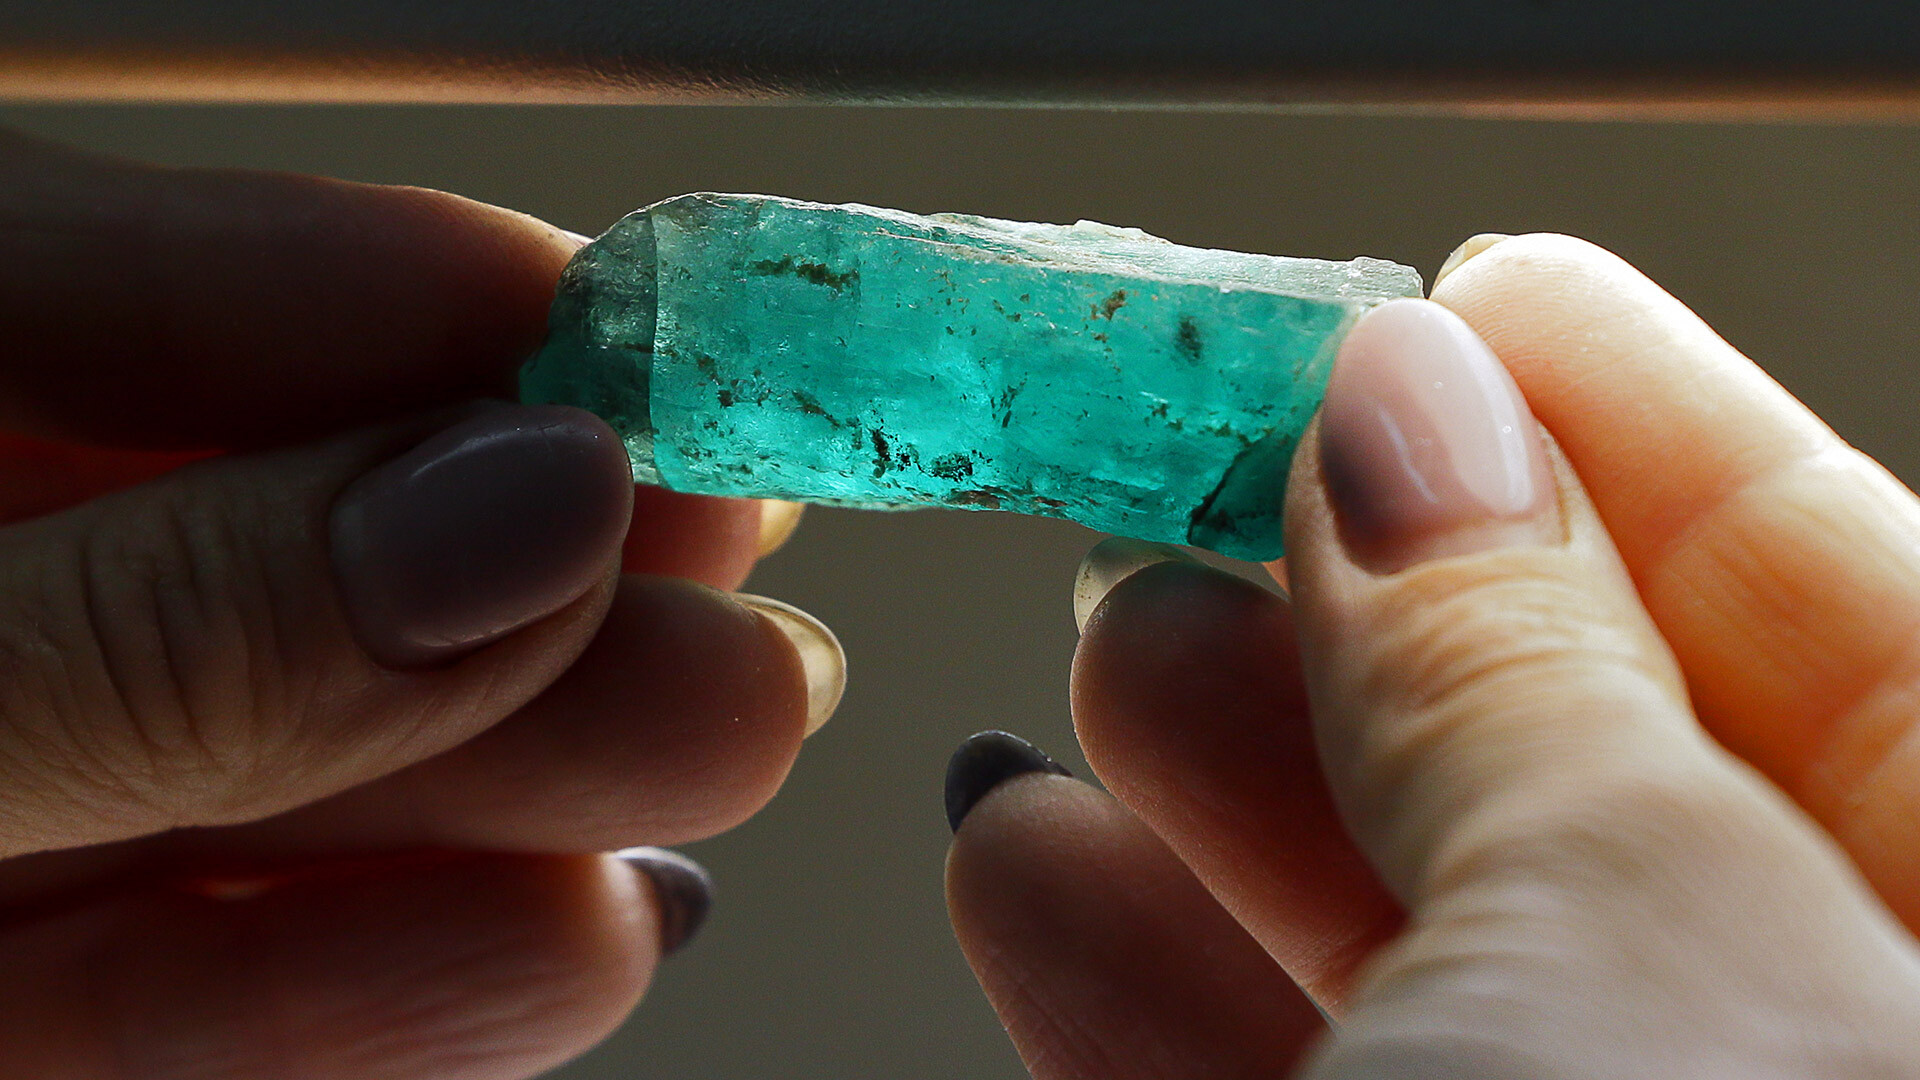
(984, 762)
(682, 888)
(487, 526)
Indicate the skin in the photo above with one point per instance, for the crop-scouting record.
(1482, 855)
(1631, 797)
(247, 849)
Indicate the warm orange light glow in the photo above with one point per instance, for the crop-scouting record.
(404, 78)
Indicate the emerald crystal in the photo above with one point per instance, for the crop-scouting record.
(756, 346)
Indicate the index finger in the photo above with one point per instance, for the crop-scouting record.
(185, 308)
(1779, 563)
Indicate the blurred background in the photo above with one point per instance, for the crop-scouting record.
(828, 954)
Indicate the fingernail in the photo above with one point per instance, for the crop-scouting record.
(1426, 445)
(492, 524)
(1277, 569)
(778, 519)
(682, 888)
(984, 762)
(821, 656)
(1109, 563)
(1474, 246)
(578, 239)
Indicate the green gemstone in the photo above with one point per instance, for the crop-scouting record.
(755, 346)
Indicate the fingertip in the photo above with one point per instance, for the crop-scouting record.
(516, 239)
(458, 287)
(1523, 292)
(682, 892)
(712, 540)
(1158, 628)
(986, 761)
(292, 305)
(1191, 705)
(691, 708)
(1110, 563)
(542, 237)
(823, 662)
(1426, 446)
(778, 521)
(681, 719)
(1174, 641)
(483, 528)
(596, 935)
(1472, 247)
(1013, 833)
(728, 703)
(1067, 906)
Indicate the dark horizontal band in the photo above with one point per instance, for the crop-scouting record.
(1170, 52)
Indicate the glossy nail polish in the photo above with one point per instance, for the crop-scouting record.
(984, 762)
(682, 888)
(492, 524)
(821, 656)
(1426, 445)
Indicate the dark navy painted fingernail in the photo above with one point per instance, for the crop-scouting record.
(984, 762)
(683, 888)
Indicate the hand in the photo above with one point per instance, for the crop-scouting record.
(1584, 755)
(323, 686)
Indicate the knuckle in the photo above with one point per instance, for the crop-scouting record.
(48, 753)
(184, 607)
(145, 660)
(1609, 843)
(1498, 696)
(1475, 636)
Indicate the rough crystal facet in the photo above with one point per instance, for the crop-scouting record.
(755, 346)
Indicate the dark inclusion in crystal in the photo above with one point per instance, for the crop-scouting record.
(753, 346)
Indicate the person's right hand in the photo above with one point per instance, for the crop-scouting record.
(311, 750)
(1594, 755)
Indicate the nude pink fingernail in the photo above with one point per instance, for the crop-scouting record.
(1427, 448)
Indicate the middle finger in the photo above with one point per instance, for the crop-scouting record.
(680, 720)
(1188, 699)
(1777, 562)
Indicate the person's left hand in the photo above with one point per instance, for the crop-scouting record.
(322, 687)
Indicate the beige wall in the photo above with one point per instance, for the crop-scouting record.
(828, 955)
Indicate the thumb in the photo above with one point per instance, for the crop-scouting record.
(252, 632)
(1595, 888)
